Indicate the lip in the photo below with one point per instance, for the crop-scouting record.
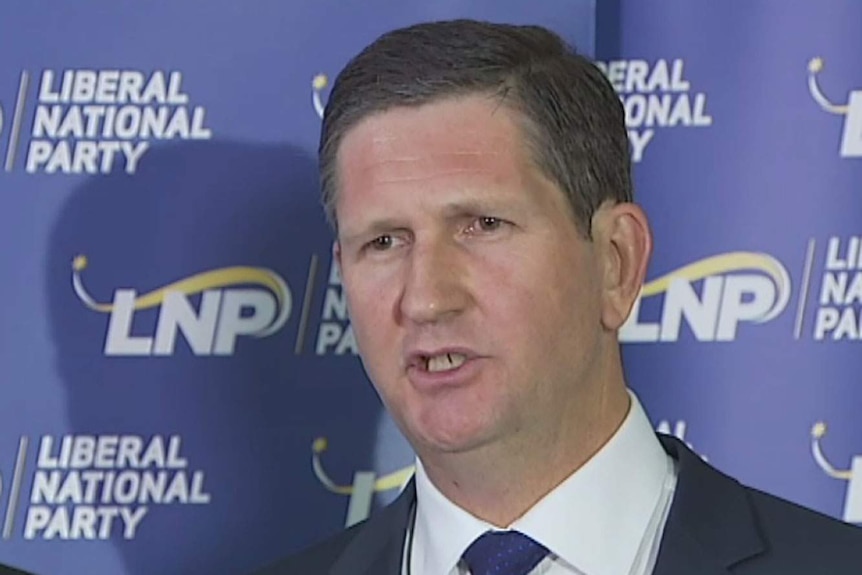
(427, 381)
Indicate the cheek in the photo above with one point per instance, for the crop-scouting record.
(545, 302)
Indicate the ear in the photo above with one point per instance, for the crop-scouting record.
(336, 258)
(622, 234)
(336, 253)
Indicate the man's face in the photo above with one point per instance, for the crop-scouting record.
(475, 301)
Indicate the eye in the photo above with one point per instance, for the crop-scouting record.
(381, 243)
(485, 224)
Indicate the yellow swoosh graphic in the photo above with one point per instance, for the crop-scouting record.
(818, 430)
(724, 263)
(393, 480)
(318, 85)
(815, 65)
(213, 279)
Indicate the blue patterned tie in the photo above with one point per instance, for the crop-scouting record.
(503, 553)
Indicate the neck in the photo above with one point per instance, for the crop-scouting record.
(499, 483)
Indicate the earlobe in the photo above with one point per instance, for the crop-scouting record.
(336, 253)
(627, 242)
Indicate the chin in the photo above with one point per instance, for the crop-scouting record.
(456, 424)
(453, 439)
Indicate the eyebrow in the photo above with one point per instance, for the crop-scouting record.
(478, 206)
(373, 229)
(450, 210)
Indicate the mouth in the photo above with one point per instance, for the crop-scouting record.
(442, 362)
(439, 361)
(433, 370)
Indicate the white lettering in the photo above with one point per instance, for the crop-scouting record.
(37, 520)
(637, 76)
(177, 314)
(838, 323)
(37, 154)
(129, 452)
(131, 520)
(82, 522)
(851, 259)
(636, 79)
(234, 322)
(335, 304)
(112, 87)
(639, 141)
(851, 139)
(735, 307)
(46, 486)
(224, 315)
(332, 334)
(119, 340)
(701, 313)
(82, 157)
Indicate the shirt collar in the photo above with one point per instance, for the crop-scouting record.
(443, 530)
(594, 520)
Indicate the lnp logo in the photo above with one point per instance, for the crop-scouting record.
(851, 140)
(727, 299)
(853, 501)
(224, 314)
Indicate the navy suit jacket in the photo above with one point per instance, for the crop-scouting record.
(716, 526)
(6, 570)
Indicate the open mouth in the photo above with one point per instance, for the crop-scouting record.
(443, 362)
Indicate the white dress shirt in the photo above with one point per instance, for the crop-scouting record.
(607, 518)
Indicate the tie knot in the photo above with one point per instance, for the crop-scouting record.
(503, 553)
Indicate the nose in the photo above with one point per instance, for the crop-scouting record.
(435, 283)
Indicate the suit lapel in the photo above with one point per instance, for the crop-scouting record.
(711, 526)
(681, 554)
(379, 546)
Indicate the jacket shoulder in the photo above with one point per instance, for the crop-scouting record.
(316, 559)
(792, 526)
(368, 540)
(802, 540)
(752, 532)
(6, 570)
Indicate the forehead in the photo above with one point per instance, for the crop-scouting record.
(467, 122)
(444, 143)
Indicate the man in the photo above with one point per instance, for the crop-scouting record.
(478, 180)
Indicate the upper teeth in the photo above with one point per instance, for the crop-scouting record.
(445, 361)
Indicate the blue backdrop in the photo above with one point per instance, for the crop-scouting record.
(180, 390)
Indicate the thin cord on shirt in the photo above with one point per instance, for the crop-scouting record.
(412, 524)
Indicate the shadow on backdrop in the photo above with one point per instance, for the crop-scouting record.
(608, 30)
(246, 420)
